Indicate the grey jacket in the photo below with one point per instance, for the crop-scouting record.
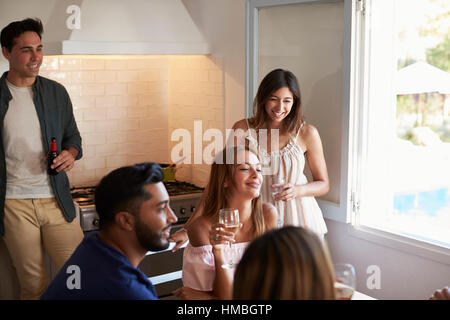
(54, 110)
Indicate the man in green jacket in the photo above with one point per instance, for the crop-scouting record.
(36, 209)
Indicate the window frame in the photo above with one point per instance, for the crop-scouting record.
(396, 240)
(331, 210)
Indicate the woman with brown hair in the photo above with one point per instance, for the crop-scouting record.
(278, 111)
(233, 183)
(290, 263)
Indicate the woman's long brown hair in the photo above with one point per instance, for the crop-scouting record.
(216, 195)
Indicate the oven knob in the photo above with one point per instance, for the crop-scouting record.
(192, 208)
(95, 222)
(183, 210)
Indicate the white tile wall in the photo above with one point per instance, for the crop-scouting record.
(193, 96)
(126, 108)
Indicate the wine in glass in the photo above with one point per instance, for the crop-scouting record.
(230, 218)
(345, 281)
(277, 180)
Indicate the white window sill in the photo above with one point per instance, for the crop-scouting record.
(402, 243)
(167, 277)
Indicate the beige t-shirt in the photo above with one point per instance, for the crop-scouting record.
(26, 168)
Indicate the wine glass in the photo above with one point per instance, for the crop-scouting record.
(275, 190)
(230, 218)
(345, 281)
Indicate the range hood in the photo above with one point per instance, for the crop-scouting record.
(122, 27)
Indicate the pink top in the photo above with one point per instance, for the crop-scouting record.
(199, 267)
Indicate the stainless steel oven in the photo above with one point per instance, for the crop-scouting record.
(162, 267)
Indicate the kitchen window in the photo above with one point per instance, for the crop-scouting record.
(402, 184)
(312, 39)
(392, 182)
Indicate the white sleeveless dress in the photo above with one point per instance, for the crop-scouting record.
(289, 163)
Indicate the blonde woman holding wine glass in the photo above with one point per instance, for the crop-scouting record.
(235, 186)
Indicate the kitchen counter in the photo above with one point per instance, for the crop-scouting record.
(171, 245)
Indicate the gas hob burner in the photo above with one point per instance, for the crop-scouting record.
(179, 188)
(80, 192)
(85, 195)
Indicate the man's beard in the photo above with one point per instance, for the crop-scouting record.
(148, 239)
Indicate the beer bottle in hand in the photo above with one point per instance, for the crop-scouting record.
(52, 154)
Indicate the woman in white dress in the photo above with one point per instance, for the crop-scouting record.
(278, 106)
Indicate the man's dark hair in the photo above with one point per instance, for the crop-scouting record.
(16, 28)
(123, 190)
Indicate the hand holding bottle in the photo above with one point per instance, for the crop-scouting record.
(52, 155)
(63, 161)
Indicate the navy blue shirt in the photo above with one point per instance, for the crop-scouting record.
(98, 271)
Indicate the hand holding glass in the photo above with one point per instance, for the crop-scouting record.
(276, 180)
(345, 281)
(230, 218)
